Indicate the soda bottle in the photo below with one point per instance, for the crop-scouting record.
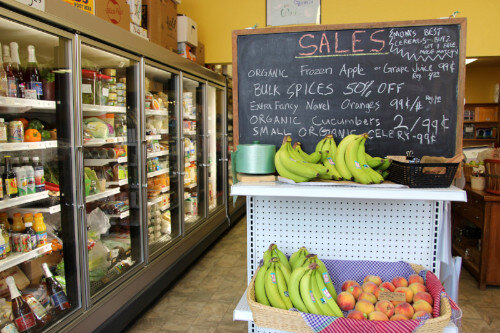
(16, 68)
(58, 298)
(30, 175)
(40, 229)
(32, 235)
(39, 175)
(10, 180)
(11, 77)
(42, 316)
(6, 238)
(23, 316)
(3, 76)
(33, 79)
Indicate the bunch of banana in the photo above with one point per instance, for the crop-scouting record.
(290, 164)
(298, 257)
(309, 293)
(328, 149)
(271, 284)
(273, 251)
(313, 259)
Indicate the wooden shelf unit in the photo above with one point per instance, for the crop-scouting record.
(479, 122)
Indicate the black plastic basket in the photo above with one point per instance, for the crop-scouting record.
(412, 174)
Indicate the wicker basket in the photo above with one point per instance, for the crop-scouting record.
(492, 176)
(291, 321)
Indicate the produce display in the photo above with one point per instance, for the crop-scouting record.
(303, 282)
(348, 161)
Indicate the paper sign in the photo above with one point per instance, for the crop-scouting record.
(37, 4)
(85, 5)
(284, 12)
(390, 296)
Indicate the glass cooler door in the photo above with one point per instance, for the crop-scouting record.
(37, 196)
(215, 118)
(192, 135)
(110, 85)
(161, 139)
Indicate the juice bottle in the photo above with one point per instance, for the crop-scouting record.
(32, 235)
(39, 175)
(30, 175)
(22, 184)
(23, 316)
(6, 237)
(4, 219)
(10, 180)
(40, 229)
(17, 223)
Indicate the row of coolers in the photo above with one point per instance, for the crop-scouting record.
(102, 87)
(188, 105)
(105, 168)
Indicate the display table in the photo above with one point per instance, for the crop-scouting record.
(342, 222)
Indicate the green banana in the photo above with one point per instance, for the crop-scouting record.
(296, 156)
(295, 166)
(307, 295)
(332, 170)
(327, 280)
(296, 255)
(271, 288)
(283, 259)
(351, 160)
(312, 158)
(299, 259)
(333, 146)
(260, 292)
(321, 300)
(374, 162)
(325, 150)
(327, 296)
(282, 171)
(282, 286)
(309, 259)
(385, 174)
(385, 165)
(319, 145)
(339, 159)
(286, 271)
(294, 289)
(374, 175)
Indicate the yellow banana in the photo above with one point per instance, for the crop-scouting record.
(339, 159)
(374, 162)
(321, 300)
(307, 295)
(327, 296)
(271, 287)
(260, 292)
(374, 175)
(351, 160)
(294, 289)
(295, 166)
(311, 158)
(327, 280)
(282, 286)
(282, 171)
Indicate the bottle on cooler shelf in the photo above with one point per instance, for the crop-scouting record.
(3, 247)
(32, 76)
(4, 219)
(58, 298)
(22, 184)
(10, 180)
(16, 67)
(6, 237)
(3, 130)
(30, 175)
(3, 76)
(42, 316)
(23, 316)
(17, 223)
(11, 77)
(40, 229)
(31, 233)
(39, 175)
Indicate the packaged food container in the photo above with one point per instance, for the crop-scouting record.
(109, 72)
(104, 84)
(89, 79)
(16, 131)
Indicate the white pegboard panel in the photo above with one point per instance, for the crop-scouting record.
(349, 229)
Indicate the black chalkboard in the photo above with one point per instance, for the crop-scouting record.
(402, 83)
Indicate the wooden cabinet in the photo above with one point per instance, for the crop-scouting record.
(476, 235)
(481, 124)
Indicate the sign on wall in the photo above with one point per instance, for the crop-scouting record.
(284, 12)
(37, 4)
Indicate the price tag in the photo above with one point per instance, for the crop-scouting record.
(390, 296)
(37, 4)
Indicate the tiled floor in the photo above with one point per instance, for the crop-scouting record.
(204, 299)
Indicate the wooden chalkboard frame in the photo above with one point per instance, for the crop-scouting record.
(462, 22)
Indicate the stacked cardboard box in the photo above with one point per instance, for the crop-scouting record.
(159, 18)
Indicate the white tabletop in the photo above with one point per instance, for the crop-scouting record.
(280, 189)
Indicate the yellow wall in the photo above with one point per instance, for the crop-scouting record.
(217, 18)
(480, 84)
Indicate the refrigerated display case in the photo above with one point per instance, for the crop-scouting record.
(38, 218)
(109, 134)
(161, 137)
(192, 136)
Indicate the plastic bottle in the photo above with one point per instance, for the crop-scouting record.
(40, 229)
(30, 175)
(39, 175)
(6, 238)
(4, 219)
(23, 316)
(17, 223)
(3, 131)
(3, 248)
(30, 232)
(22, 184)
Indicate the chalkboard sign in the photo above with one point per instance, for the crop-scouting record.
(400, 82)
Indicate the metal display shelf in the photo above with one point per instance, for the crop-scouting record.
(161, 112)
(242, 312)
(16, 258)
(120, 216)
(120, 182)
(103, 161)
(89, 108)
(156, 200)
(99, 142)
(190, 186)
(16, 146)
(158, 154)
(33, 210)
(20, 105)
(153, 137)
(24, 199)
(102, 195)
(189, 132)
(157, 173)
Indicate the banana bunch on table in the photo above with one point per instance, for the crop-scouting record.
(347, 161)
(307, 287)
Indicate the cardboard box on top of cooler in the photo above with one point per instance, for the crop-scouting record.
(187, 30)
(113, 11)
(159, 18)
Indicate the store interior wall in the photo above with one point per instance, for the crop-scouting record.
(480, 84)
(217, 18)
